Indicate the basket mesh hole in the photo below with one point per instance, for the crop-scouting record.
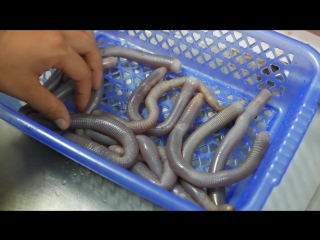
(222, 46)
(251, 40)
(250, 81)
(257, 77)
(176, 50)
(212, 65)
(188, 55)
(237, 75)
(189, 39)
(183, 47)
(284, 60)
(244, 72)
(256, 49)
(264, 46)
(159, 38)
(247, 56)
(194, 51)
(291, 56)
(261, 62)
(165, 45)
(196, 36)
(274, 68)
(234, 51)
(227, 54)
(286, 72)
(232, 67)
(209, 41)
(200, 60)
(278, 52)
(142, 37)
(153, 41)
(276, 92)
(262, 86)
(279, 77)
(266, 71)
(240, 60)
(270, 55)
(219, 61)
(216, 33)
(243, 44)
(206, 56)
(177, 35)
(229, 38)
(237, 35)
(253, 65)
(224, 70)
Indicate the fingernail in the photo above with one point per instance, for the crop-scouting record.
(61, 123)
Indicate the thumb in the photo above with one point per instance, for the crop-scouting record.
(49, 105)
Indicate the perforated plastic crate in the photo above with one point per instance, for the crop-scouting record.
(235, 65)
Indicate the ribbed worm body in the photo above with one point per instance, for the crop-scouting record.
(203, 199)
(150, 153)
(143, 125)
(148, 59)
(100, 138)
(177, 188)
(232, 138)
(181, 192)
(54, 81)
(119, 150)
(93, 104)
(203, 179)
(179, 82)
(214, 124)
(111, 128)
(139, 94)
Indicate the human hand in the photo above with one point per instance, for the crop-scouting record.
(26, 55)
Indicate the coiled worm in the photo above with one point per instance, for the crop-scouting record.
(232, 138)
(204, 179)
(148, 59)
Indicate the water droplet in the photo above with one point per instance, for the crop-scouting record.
(88, 172)
(105, 201)
(72, 169)
(58, 193)
(96, 186)
(74, 181)
(64, 182)
(81, 174)
(74, 174)
(78, 196)
(66, 172)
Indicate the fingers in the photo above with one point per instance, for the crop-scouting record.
(49, 105)
(83, 42)
(76, 68)
(90, 33)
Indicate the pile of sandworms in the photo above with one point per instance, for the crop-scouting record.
(127, 143)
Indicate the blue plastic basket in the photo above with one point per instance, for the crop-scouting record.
(235, 65)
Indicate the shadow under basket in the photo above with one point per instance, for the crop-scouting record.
(235, 65)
